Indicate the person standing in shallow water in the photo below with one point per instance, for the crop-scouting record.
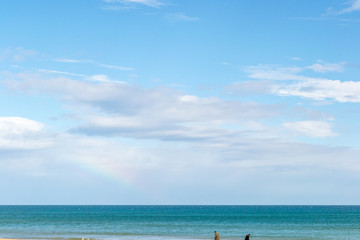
(217, 237)
(247, 237)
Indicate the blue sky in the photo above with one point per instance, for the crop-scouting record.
(179, 102)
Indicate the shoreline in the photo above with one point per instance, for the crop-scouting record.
(11, 239)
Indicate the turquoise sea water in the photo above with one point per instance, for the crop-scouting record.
(180, 222)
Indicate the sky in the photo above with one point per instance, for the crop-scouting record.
(180, 102)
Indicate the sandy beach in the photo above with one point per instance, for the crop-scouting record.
(10, 239)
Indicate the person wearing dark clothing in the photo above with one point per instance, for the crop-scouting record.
(247, 237)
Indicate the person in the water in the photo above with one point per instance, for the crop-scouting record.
(217, 237)
(247, 237)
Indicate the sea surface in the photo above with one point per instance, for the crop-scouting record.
(180, 222)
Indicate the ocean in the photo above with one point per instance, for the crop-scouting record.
(180, 222)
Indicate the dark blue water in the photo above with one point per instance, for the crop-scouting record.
(180, 222)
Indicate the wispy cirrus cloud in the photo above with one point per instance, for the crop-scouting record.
(103, 78)
(353, 5)
(291, 81)
(62, 73)
(180, 17)
(274, 73)
(250, 87)
(18, 54)
(116, 67)
(94, 78)
(67, 60)
(149, 3)
(327, 67)
(120, 68)
(296, 59)
(134, 4)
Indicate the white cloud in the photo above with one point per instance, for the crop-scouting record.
(21, 133)
(159, 171)
(354, 5)
(100, 78)
(103, 78)
(181, 17)
(161, 137)
(274, 73)
(62, 73)
(150, 3)
(296, 59)
(311, 128)
(327, 67)
(189, 98)
(121, 68)
(116, 67)
(294, 84)
(159, 113)
(251, 87)
(322, 89)
(67, 60)
(94, 78)
(18, 126)
(18, 54)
